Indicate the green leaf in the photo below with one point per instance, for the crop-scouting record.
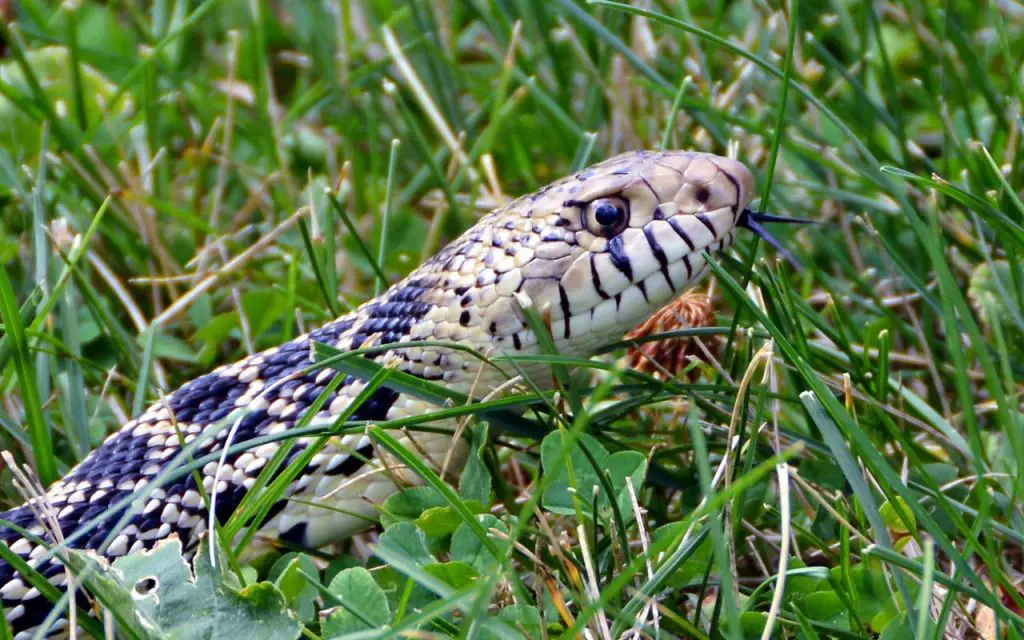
(802, 584)
(408, 541)
(467, 547)
(454, 574)
(892, 518)
(690, 571)
(897, 629)
(166, 347)
(475, 483)
(298, 592)
(155, 594)
(363, 604)
(409, 504)
(824, 472)
(558, 498)
(752, 623)
(442, 521)
(522, 618)
(871, 594)
(825, 606)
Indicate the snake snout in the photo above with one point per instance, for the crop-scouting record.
(742, 179)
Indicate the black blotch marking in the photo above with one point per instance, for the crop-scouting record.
(277, 508)
(464, 318)
(377, 405)
(596, 278)
(579, 204)
(459, 291)
(617, 251)
(493, 328)
(516, 342)
(295, 535)
(327, 333)
(659, 214)
(353, 463)
(681, 232)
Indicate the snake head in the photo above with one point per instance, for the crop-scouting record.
(596, 253)
(617, 241)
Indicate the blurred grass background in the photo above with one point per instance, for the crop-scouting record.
(183, 183)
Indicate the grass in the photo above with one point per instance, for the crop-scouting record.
(844, 462)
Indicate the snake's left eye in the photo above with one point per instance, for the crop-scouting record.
(607, 216)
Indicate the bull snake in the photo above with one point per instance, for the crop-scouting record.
(598, 252)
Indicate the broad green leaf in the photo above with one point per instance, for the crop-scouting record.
(825, 606)
(893, 519)
(522, 618)
(442, 521)
(691, 571)
(363, 604)
(896, 626)
(454, 574)
(409, 504)
(157, 595)
(467, 547)
(475, 483)
(409, 541)
(287, 576)
(558, 497)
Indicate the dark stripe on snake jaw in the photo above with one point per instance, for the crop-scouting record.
(597, 279)
(659, 255)
(707, 223)
(677, 226)
(619, 256)
(563, 301)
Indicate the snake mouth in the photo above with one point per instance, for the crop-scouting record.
(753, 220)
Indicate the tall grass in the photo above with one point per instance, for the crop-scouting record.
(847, 461)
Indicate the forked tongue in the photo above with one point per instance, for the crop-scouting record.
(752, 220)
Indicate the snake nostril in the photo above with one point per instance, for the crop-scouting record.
(702, 194)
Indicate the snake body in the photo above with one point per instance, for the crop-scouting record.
(596, 252)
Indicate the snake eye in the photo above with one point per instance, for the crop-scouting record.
(608, 216)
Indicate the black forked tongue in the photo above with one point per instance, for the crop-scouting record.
(752, 220)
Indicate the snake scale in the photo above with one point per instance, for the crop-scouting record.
(597, 252)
